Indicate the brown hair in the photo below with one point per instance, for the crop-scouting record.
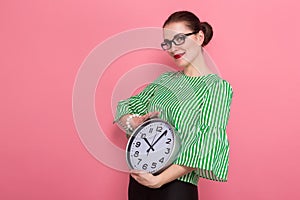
(193, 22)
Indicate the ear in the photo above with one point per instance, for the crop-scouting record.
(200, 38)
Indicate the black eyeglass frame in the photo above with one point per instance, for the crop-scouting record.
(173, 40)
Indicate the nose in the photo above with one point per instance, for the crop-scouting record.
(173, 48)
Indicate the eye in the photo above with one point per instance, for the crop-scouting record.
(179, 39)
(166, 44)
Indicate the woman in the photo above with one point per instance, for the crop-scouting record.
(196, 102)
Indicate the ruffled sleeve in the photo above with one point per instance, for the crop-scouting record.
(208, 150)
(139, 103)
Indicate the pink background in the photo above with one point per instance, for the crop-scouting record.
(43, 43)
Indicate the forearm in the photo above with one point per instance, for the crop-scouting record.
(172, 173)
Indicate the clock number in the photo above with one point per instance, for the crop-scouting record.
(159, 128)
(143, 136)
(138, 144)
(161, 160)
(150, 130)
(153, 165)
(136, 154)
(139, 161)
(168, 151)
(145, 166)
(168, 141)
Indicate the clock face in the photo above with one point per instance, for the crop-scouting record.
(151, 146)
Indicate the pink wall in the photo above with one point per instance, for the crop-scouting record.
(43, 44)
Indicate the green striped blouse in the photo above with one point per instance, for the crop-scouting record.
(198, 108)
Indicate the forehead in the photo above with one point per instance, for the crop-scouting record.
(174, 28)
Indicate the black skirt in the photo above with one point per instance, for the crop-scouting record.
(175, 190)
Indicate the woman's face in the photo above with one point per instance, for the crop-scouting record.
(183, 54)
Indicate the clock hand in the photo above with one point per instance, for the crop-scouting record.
(151, 147)
(163, 134)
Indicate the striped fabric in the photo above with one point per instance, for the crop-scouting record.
(198, 108)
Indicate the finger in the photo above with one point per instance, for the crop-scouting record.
(143, 118)
(134, 176)
(155, 113)
(150, 114)
(135, 171)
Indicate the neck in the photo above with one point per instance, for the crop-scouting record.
(197, 67)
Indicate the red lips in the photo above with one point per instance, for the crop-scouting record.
(177, 56)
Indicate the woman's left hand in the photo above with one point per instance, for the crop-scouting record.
(171, 173)
(146, 179)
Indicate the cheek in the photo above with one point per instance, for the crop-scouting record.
(191, 46)
(192, 52)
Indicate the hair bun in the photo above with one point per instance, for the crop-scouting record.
(208, 32)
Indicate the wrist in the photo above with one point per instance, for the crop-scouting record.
(128, 122)
(158, 181)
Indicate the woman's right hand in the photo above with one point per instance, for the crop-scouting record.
(136, 121)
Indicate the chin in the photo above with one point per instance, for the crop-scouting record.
(181, 63)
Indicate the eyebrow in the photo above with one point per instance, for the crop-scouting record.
(174, 36)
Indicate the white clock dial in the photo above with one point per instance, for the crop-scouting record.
(151, 146)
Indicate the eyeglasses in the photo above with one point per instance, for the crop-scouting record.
(178, 39)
